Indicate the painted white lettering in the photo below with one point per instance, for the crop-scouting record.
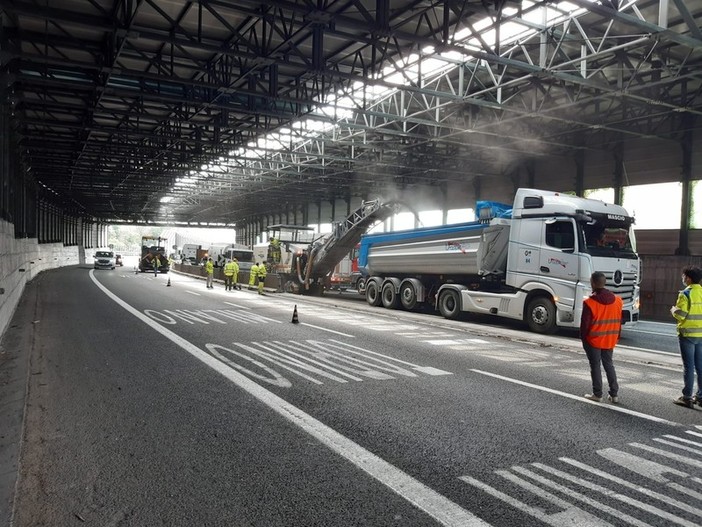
(159, 317)
(185, 316)
(343, 351)
(205, 313)
(275, 378)
(289, 363)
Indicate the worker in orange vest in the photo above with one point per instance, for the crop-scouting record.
(600, 329)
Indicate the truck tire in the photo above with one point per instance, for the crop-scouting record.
(373, 296)
(389, 296)
(408, 296)
(361, 286)
(541, 315)
(450, 304)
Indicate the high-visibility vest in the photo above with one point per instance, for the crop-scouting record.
(209, 267)
(688, 311)
(606, 323)
(229, 269)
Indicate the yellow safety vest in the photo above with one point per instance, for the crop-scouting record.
(229, 269)
(688, 311)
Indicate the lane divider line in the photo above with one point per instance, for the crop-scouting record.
(439, 507)
(329, 330)
(613, 407)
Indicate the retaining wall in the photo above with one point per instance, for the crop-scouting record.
(21, 260)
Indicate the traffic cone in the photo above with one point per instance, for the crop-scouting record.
(169, 282)
(294, 318)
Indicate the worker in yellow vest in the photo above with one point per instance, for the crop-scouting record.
(687, 312)
(209, 269)
(261, 276)
(228, 275)
(253, 273)
(235, 278)
(600, 328)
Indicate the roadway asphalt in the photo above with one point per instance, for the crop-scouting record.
(156, 405)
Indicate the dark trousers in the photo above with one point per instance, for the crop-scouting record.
(597, 356)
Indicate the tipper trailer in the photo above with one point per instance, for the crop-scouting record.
(530, 262)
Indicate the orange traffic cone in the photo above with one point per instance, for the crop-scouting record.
(294, 318)
(169, 282)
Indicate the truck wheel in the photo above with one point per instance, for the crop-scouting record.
(408, 296)
(373, 293)
(361, 286)
(449, 304)
(541, 315)
(389, 297)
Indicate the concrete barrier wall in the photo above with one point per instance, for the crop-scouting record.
(23, 259)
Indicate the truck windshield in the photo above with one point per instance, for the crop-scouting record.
(606, 237)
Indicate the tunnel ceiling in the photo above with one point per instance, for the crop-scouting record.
(220, 110)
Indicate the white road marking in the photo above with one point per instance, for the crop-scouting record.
(614, 408)
(424, 369)
(192, 293)
(669, 455)
(439, 507)
(568, 517)
(681, 447)
(237, 305)
(616, 495)
(638, 488)
(576, 496)
(329, 330)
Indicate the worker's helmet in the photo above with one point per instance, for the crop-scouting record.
(234, 260)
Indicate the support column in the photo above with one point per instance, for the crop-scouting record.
(444, 204)
(686, 177)
(579, 173)
(530, 166)
(618, 173)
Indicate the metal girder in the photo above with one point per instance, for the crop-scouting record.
(137, 96)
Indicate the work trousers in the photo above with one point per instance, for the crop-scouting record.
(210, 277)
(597, 356)
(691, 352)
(228, 282)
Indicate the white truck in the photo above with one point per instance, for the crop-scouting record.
(532, 262)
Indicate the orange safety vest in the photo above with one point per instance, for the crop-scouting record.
(606, 323)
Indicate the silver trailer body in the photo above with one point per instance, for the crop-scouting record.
(467, 249)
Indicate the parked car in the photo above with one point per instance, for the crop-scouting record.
(104, 260)
(118, 260)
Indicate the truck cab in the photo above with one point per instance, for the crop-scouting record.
(556, 242)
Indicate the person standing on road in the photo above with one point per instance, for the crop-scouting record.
(235, 277)
(209, 269)
(261, 276)
(253, 274)
(228, 275)
(156, 262)
(600, 329)
(687, 311)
